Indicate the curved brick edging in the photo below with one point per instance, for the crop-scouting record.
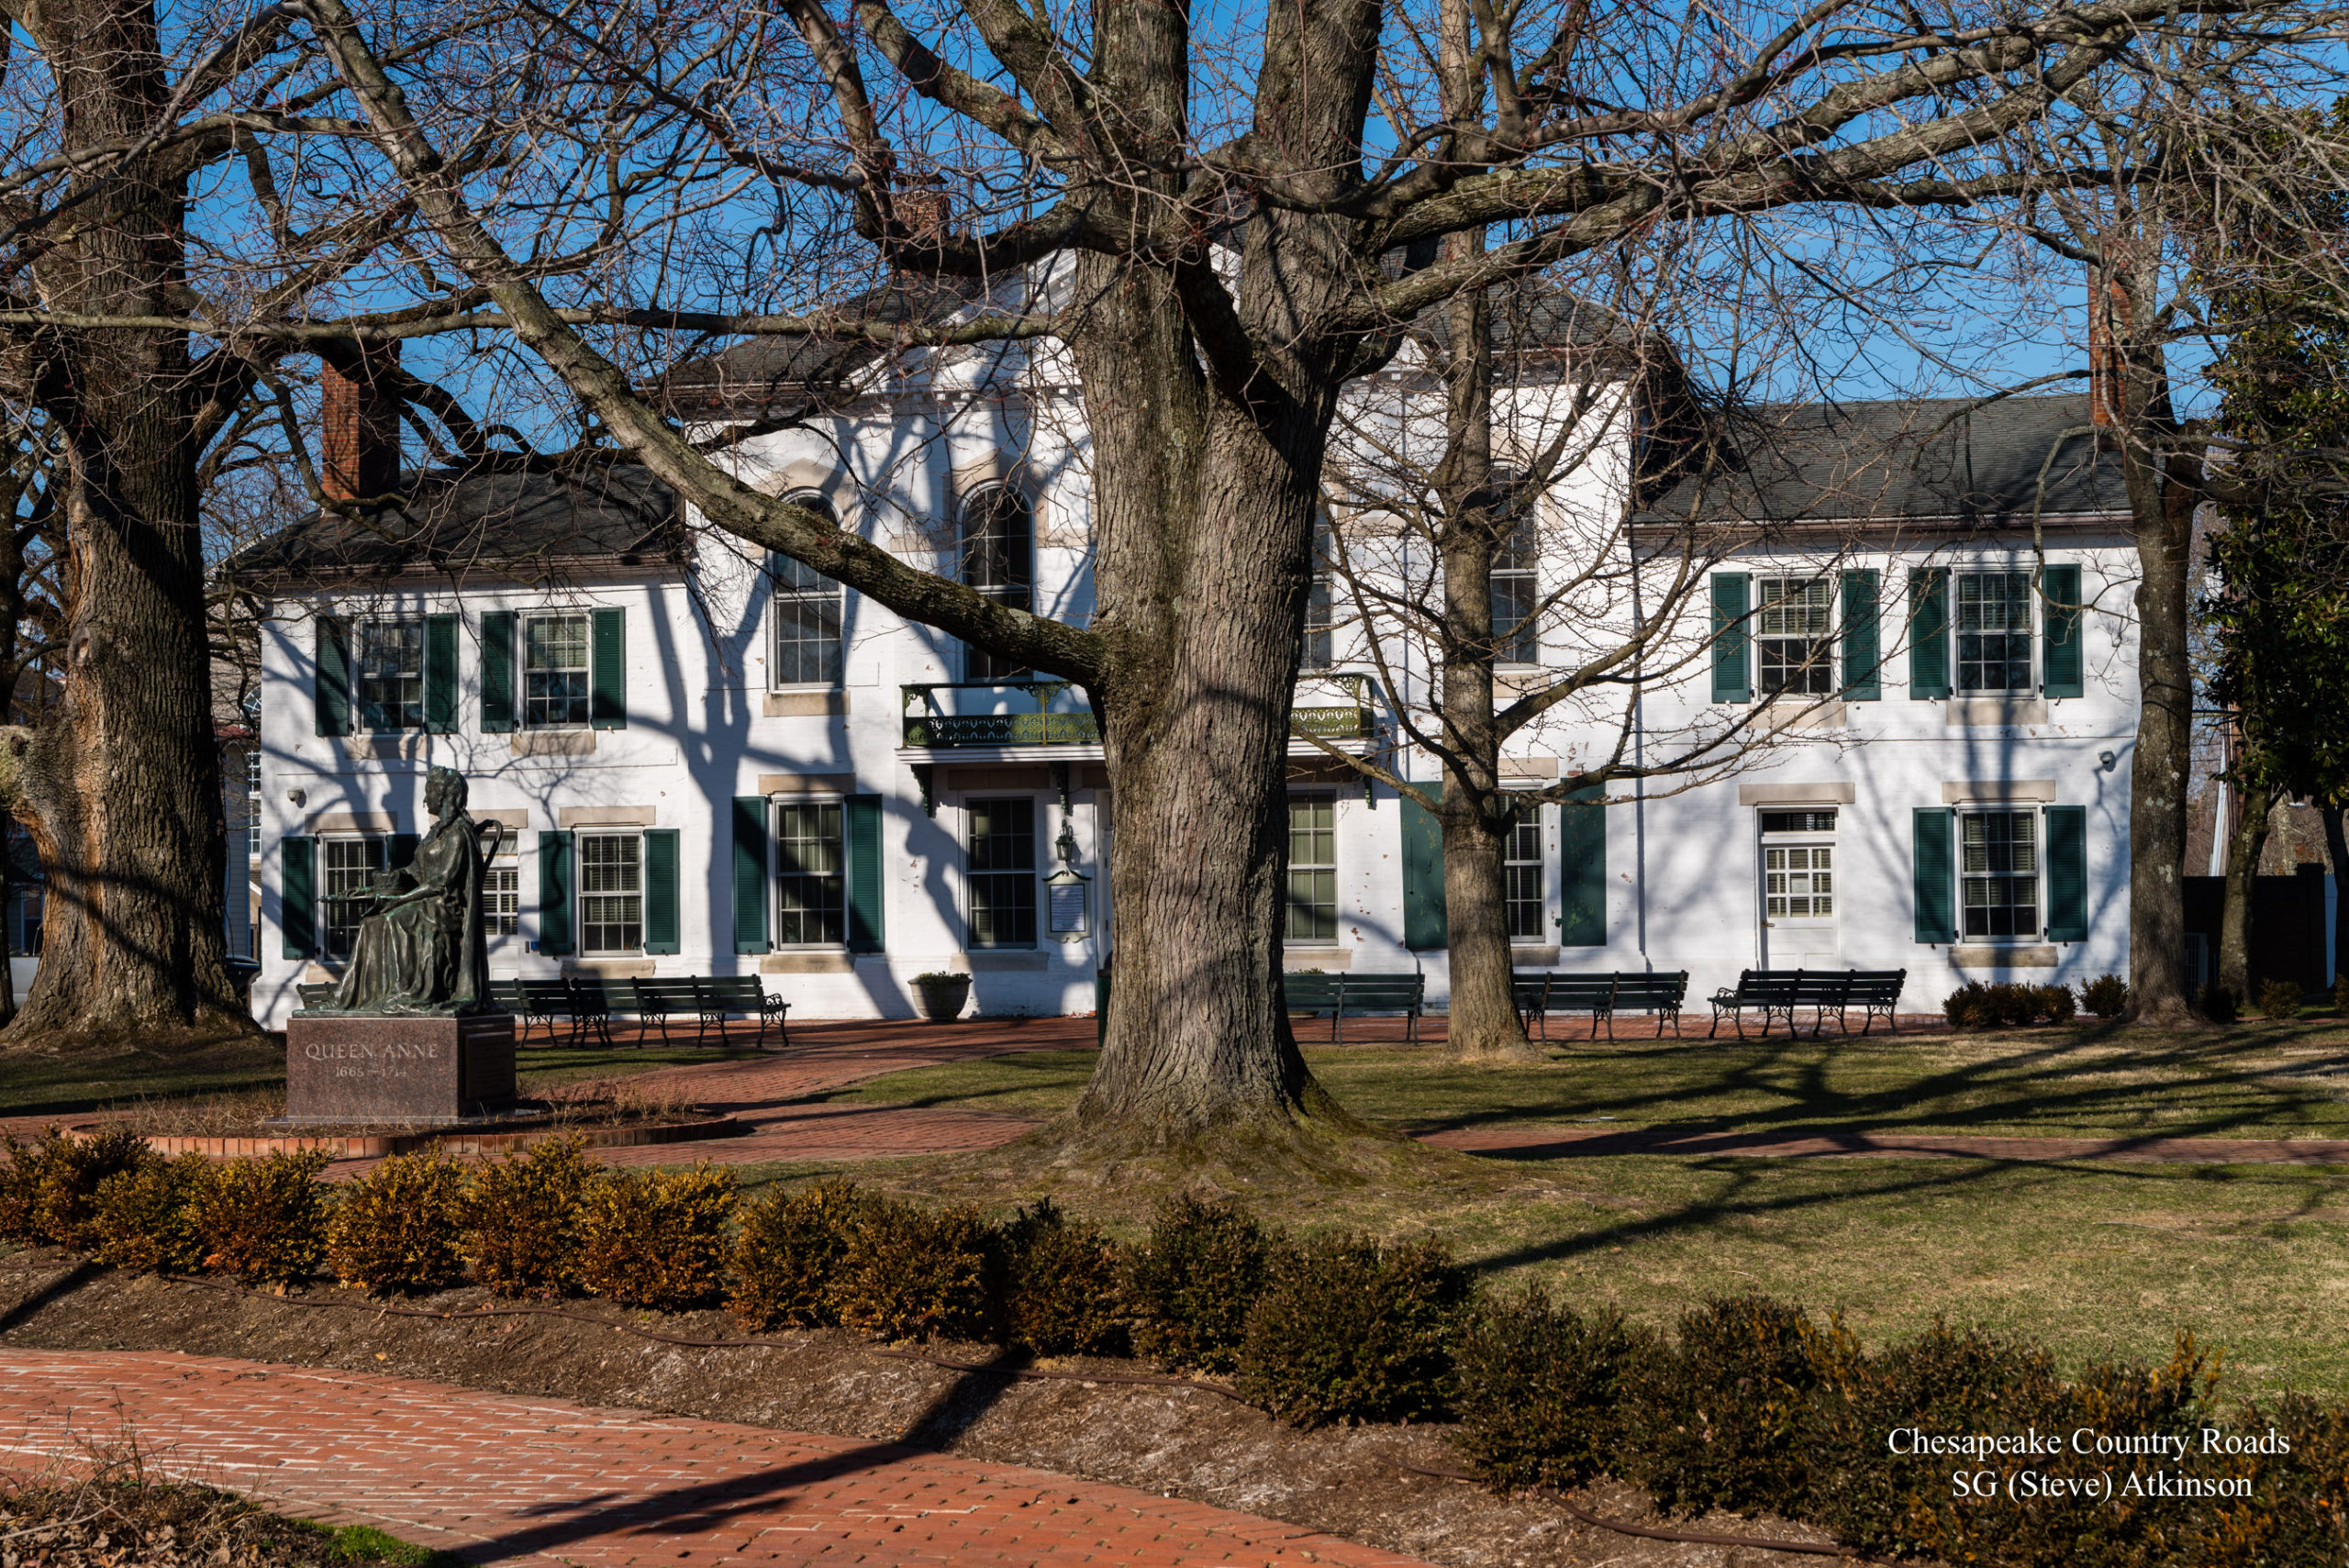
(456, 1140)
(507, 1479)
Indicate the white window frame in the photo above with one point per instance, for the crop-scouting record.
(1520, 549)
(1020, 594)
(1806, 840)
(1817, 672)
(775, 873)
(327, 888)
(582, 924)
(972, 876)
(787, 585)
(2037, 875)
(494, 910)
(1533, 823)
(525, 718)
(1320, 651)
(2030, 631)
(361, 714)
(253, 803)
(1315, 868)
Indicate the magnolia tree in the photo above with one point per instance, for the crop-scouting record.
(1224, 189)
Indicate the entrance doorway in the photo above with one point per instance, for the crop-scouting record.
(1799, 930)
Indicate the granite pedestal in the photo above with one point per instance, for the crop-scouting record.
(359, 1067)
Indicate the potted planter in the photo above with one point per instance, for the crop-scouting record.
(942, 995)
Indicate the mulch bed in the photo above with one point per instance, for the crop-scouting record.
(1356, 1482)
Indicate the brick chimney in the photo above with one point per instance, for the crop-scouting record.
(359, 433)
(2108, 391)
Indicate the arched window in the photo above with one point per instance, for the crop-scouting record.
(806, 647)
(998, 558)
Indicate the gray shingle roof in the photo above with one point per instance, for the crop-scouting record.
(1925, 458)
(780, 369)
(452, 520)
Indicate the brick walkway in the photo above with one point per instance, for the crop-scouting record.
(499, 1479)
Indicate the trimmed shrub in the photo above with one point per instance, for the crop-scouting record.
(2055, 1003)
(2217, 1003)
(1537, 1390)
(50, 1189)
(656, 1238)
(909, 1273)
(2107, 995)
(791, 1245)
(397, 1229)
(520, 1220)
(1191, 1285)
(1979, 1006)
(1719, 1420)
(2280, 999)
(143, 1218)
(2299, 1506)
(262, 1220)
(1348, 1331)
(1061, 1295)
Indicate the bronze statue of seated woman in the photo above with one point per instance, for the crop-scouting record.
(423, 947)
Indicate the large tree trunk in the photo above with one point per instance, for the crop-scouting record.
(123, 779)
(2247, 844)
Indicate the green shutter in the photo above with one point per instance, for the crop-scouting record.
(2061, 585)
(297, 883)
(1582, 869)
(403, 850)
(333, 692)
(867, 928)
(1932, 876)
(1928, 632)
(440, 675)
(608, 682)
(2067, 873)
(1423, 922)
(497, 673)
(554, 894)
(660, 920)
(1863, 680)
(750, 873)
(1731, 681)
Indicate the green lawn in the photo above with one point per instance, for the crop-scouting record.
(2253, 1081)
(2094, 1258)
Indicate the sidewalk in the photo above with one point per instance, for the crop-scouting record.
(504, 1480)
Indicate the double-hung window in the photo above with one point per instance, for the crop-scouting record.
(1516, 626)
(389, 659)
(1319, 602)
(555, 663)
(253, 803)
(1313, 870)
(1798, 653)
(1521, 861)
(1998, 872)
(611, 893)
(1797, 867)
(1001, 873)
(998, 559)
(349, 865)
(808, 621)
(1993, 610)
(810, 891)
(501, 899)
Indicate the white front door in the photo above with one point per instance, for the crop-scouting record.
(1797, 865)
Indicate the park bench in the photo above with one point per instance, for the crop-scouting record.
(742, 996)
(1877, 991)
(1601, 996)
(658, 1001)
(1819, 991)
(1339, 994)
(1766, 991)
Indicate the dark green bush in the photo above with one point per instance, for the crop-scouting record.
(910, 1273)
(1979, 1006)
(2280, 999)
(2055, 1003)
(655, 1239)
(1192, 1283)
(521, 1218)
(1538, 1388)
(1719, 1420)
(262, 1220)
(790, 1246)
(397, 1229)
(49, 1188)
(1060, 1289)
(2298, 1508)
(1349, 1331)
(2107, 995)
(143, 1218)
(2217, 1003)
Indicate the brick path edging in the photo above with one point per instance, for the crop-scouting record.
(499, 1478)
(375, 1146)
